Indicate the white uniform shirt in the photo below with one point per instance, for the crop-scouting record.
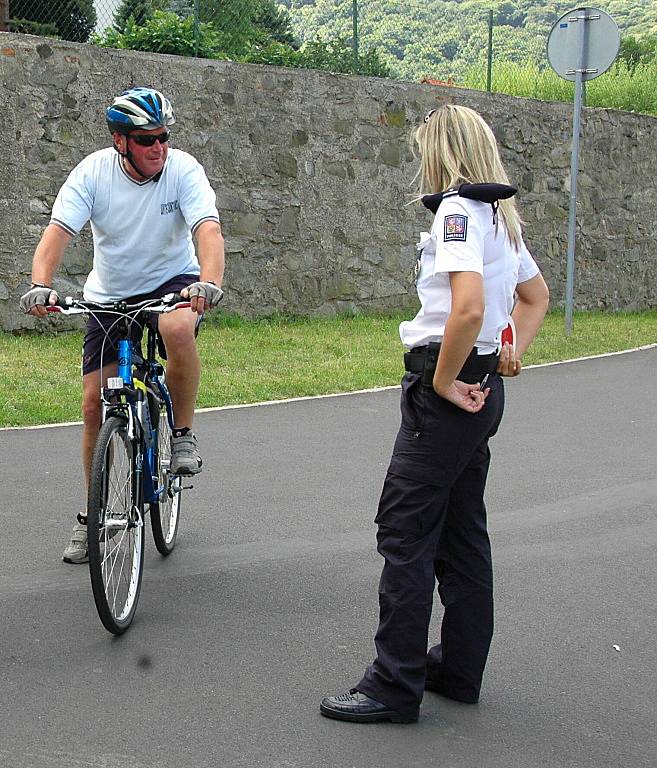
(463, 239)
(142, 231)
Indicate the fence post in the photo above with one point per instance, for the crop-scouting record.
(354, 21)
(4, 15)
(197, 21)
(489, 70)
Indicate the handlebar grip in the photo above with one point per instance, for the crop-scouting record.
(65, 305)
(58, 306)
(175, 300)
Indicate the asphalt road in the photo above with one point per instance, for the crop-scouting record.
(269, 600)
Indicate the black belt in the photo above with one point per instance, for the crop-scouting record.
(424, 359)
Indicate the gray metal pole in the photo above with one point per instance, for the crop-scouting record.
(4, 15)
(354, 22)
(489, 70)
(574, 169)
(197, 21)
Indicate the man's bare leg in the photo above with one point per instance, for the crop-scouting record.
(183, 376)
(183, 363)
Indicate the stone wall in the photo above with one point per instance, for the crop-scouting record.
(313, 174)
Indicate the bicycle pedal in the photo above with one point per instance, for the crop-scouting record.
(186, 487)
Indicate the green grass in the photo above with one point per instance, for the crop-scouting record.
(619, 88)
(247, 361)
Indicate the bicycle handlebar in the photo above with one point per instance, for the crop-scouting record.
(72, 306)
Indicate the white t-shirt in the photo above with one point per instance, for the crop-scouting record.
(142, 231)
(463, 238)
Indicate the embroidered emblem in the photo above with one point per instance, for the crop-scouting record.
(456, 227)
(168, 207)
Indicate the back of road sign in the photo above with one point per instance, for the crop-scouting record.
(601, 43)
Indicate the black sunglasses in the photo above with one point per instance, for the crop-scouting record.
(145, 140)
(427, 117)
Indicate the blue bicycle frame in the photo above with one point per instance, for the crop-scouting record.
(139, 402)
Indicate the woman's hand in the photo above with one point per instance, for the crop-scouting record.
(468, 397)
(509, 364)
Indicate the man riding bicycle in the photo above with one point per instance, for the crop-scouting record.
(147, 204)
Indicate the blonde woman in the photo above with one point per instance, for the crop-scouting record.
(474, 274)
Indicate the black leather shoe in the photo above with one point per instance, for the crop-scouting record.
(436, 687)
(359, 708)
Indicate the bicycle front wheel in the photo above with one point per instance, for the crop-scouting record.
(115, 527)
(165, 513)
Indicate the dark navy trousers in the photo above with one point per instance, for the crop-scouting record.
(432, 526)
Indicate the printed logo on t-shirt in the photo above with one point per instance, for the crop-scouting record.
(456, 227)
(169, 207)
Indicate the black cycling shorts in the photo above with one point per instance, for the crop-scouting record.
(99, 329)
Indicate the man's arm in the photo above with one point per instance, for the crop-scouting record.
(47, 257)
(210, 244)
(210, 248)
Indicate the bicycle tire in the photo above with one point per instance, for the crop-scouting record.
(115, 527)
(165, 514)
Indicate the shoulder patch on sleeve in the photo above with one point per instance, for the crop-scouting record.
(456, 227)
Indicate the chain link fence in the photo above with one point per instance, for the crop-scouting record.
(468, 45)
(69, 19)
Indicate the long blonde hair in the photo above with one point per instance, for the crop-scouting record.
(456, 145)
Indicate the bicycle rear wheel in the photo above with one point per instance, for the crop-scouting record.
(115, 527)
(165, 514)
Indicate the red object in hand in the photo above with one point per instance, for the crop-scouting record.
(509, 334)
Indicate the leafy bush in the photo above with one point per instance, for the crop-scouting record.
(338, 56)
(331, 56)
(165, 32)
(27, 27)
(276, 54)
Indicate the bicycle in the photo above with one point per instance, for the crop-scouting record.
(131, 464)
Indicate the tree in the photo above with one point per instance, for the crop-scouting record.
(635, 51)
(275, 22)
(509, 14)
(73, 19)
(244, 23)
(140, 10)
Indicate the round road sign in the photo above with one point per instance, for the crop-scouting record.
(601, 43)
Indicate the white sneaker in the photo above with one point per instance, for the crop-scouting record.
(76, 552)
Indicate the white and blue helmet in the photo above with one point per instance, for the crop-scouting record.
(137, 108)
